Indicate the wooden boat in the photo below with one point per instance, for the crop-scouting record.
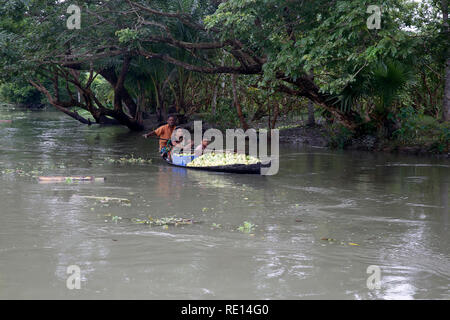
(234, 168)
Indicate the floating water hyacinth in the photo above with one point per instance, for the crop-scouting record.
(213, 159)
(247, 227)
(331, 240)
(70, 179)
(116, 218)
(108, 199)
(166, 221)
(20, 172)
(128, 160)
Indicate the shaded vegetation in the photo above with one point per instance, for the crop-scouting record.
(236, 63)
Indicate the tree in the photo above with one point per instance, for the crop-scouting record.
(37, 47)
(446, 34)
(280, 40)
(279, 43)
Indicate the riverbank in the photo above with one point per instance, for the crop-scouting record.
(326, 137)
(321, 135)
(293, 130)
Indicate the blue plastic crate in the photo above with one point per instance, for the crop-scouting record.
(181, 160)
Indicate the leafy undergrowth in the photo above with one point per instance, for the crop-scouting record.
(417, 134)
(423, 131)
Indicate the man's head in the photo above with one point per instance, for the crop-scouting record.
(179, 131)
(205, 142)
(171, 121)
(179, 134)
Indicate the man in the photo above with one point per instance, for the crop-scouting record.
(201, 147)
(164, 133)
(178, 142)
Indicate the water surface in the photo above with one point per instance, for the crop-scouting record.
(384, 210)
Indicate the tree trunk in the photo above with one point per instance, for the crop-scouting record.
(446, 31)
(446, 98)
(111, 77)
(159, 103)
(58, 105)
(306, 88)
(244, 124)
(122, 95)
(311, 119)
(276, 112)
(214, 97)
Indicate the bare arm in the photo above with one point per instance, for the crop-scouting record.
(151, 133)
(185, 147)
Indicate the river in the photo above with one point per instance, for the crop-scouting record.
(386, 217)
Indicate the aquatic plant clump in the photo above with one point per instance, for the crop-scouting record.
(20, 172)
(129, 160)
(107, 200)
(166, 221)
(222, 159)
(247, 227)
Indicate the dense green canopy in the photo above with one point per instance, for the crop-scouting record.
(132, 56)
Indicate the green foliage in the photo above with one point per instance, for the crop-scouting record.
(19, 93)
(331, 39)
(388, 80)
(408, 119)
(247, 227)
(289, 126)
(419, 129)
(225, 116)
(103, 91)
(84, 113)
(126, 35)
(373, 72)
(377, 87)
(128, 160)
(339, 136)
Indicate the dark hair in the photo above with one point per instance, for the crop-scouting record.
(171, 116)
(180, 138)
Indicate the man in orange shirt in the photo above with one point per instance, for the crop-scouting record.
(164, 132)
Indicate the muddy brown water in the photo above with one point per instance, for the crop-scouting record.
(381, 210)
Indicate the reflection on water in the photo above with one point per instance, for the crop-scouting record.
(379, 209)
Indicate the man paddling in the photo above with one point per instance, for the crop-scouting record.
(176, 144)
(164, 133)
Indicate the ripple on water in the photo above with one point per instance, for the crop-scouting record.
(394, 223)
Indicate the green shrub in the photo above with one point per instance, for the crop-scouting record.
(226, 115)
(19, 93)
(340, 136)
(419, 129)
